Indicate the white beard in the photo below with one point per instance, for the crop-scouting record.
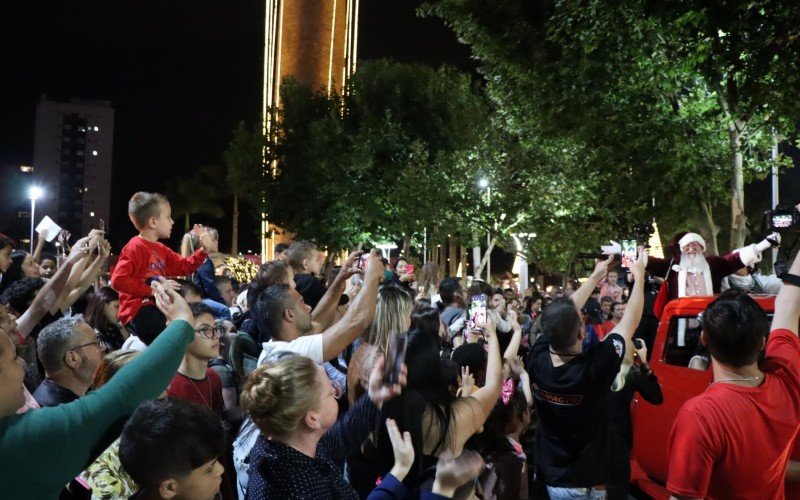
(694, 263)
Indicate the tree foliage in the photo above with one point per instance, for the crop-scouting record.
(645, 94)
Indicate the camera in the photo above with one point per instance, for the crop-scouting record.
(782, 219)
(643, 231)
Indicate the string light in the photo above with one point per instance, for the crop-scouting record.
(244, 270)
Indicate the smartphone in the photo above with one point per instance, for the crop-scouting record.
(102, 225)
(477, 311)
(628, 252)
(362, 261)
(395, 356)
(410, 269)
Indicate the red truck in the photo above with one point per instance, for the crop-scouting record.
(675, 344)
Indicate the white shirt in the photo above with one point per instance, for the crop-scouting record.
(308, 345)
(133, 343)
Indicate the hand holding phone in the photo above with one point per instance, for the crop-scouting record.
(410, 269)
(395, 357)
(477, 311)
(628, 253)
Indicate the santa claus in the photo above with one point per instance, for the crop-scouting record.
(693, 274)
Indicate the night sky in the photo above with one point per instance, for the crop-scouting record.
(180, 76)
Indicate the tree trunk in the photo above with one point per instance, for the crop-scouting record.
(485, 258)
(463, 261)
(451, 255)
(406, 246)
(186, 223)
(738, 219)
(711, 228)
(235, 227)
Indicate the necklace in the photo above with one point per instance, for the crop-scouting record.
(745, 379)
(210, 394)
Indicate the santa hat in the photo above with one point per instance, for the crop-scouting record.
(692, 238)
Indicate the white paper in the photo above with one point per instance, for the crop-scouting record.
(48, 229)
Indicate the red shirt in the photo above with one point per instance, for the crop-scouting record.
(603, 329)
(734, 442)
(141, 260)
(206, 392)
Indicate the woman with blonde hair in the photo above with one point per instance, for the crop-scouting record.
(294, 403)
(634, 376)
(204, 276)
(428, 283)
(392, 315)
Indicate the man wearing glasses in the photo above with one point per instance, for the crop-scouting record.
(70, 353)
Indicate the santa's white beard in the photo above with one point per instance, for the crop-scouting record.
(695, 263)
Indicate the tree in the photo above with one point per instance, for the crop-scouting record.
(624, 87)
(196, 194)
(244, 163)
(374, 163)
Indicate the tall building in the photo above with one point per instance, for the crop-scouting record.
(314, 42)
(72, 155)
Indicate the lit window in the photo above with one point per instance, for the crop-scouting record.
(25, 168)
(94, 152)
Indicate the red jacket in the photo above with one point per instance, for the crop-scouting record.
(140, 261)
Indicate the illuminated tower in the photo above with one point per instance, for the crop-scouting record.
(313, 41)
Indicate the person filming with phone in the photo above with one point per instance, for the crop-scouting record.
(571, 389)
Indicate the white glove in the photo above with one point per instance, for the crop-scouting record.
(765, 243)
(457, 326)
(612, 249)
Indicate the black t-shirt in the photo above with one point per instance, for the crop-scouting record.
(571, 403)
(310, 288)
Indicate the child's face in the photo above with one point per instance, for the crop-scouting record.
(203, 483)
(203, 347)
(47, 268)
(164, 222)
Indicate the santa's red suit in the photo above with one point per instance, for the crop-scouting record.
(717, 267)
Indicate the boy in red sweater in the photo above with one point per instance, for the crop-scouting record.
(143, 259)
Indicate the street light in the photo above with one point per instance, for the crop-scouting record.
(483, 183)
(34, 193)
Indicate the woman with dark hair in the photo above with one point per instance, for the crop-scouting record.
(400, 276)
(22, 266)
(425, 318)
(438, 421)
(101, 314)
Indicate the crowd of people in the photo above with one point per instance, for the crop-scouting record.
(373, 379)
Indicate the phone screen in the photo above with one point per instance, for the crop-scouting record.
(395, 356)
(628, 252)
(362, 261)
(782, 221)
(477, 311)
(410, 269)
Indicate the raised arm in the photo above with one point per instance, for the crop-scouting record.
(633, 311)
(325, 311)
(47, 298)
(89, 275)
(488, 394)
(787, 303)
(85, 423)
(513, 346)
(359, 314)
(585, 291)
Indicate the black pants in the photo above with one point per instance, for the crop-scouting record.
(148, 324)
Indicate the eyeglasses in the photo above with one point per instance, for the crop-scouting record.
(99, 345)
(209, 332)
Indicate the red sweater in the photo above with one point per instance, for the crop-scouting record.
(140, 261)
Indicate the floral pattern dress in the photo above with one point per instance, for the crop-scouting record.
(108, 478)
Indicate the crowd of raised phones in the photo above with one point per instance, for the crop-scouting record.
(169, 379)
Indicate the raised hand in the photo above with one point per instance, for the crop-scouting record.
(170, 302)
(452, 473)
(403, 450)
(379, 392)
(466, 383)
(637, 268)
